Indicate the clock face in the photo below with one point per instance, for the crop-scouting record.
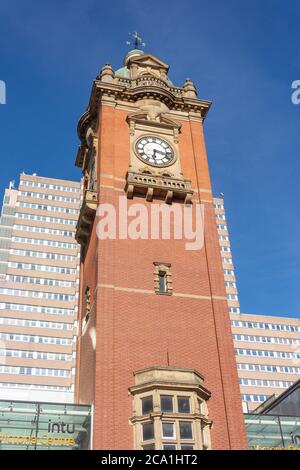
(154, 151)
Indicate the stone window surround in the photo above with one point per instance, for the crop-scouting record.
(175, 387)
(165, 268)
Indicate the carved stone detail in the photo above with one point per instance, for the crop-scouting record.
(152, 117)
(86, 217)
(189, 89)
(88, 146)
(144, 86)
(107, 74)
(162, 187)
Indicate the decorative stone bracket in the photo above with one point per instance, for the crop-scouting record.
(160, 187)
(86, 217)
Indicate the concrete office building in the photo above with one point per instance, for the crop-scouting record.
(267, 354)
(39, 272)
(226, 256)
(267, 348)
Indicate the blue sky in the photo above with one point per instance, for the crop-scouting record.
(242, 54)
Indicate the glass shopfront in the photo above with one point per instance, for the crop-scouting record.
(57, 426)
(273, 432)
(44, 426)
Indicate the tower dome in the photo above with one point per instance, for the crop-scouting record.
(132, 53)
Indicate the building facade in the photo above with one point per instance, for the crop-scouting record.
(267, 354)
(226, 256)
(155, 351)
(267, 348)
(39, 275)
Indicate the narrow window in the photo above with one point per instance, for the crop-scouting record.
(162, 277)
(92, 177)
(87, 309)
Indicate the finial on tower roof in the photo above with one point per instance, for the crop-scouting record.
(136, 41)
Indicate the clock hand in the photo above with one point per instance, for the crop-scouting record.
(158, 151)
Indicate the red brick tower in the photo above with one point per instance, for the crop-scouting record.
(155, 354)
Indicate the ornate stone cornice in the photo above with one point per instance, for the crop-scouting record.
(143, 87)
(151, 416)
(201, 391)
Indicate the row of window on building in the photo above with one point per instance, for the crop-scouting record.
(262, 353)
(35, 371)
(36, 339)
(168, 404)
(225, 249)
(37, 241)
(49, 231)
(223, 238)
(37, 294)
(265, 383)
(36, 323)
(234, 310)
(37, 309)
(39, 280)
(227, 260)
(42, 254)
(36, 386)
(230, 284)
(228, 272)
(57, 187)
(269, 368)
(47, 356)
(50, 197)
(232, 296)
(44, 218)
(266, 339)
(265, 326)
(47, 207)
(254, 397)
(42, 267)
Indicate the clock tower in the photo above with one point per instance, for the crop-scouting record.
(155, 355)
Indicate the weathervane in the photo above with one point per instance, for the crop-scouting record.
(137, 40)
